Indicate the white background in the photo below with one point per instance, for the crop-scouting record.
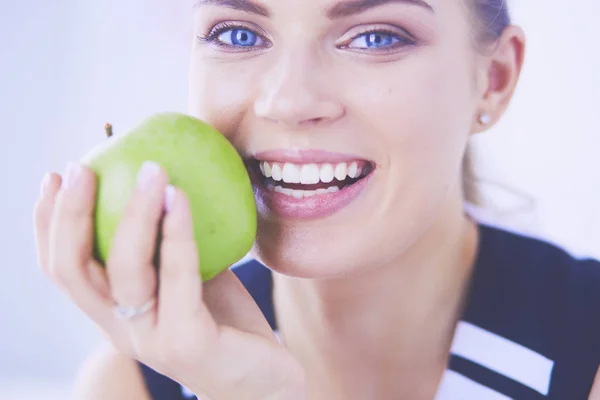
(69, 66)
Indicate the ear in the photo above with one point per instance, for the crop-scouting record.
(501, 67)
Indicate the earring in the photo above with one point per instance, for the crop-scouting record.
(485, 118)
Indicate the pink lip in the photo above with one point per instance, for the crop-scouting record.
(317, 206)
(305, 156)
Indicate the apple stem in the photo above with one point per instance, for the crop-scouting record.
(109, 130)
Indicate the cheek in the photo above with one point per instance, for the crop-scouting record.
(220, 93)
(419, 109)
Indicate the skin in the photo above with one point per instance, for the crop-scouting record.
(414, 110)
(391, 290)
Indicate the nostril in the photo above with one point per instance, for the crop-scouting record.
(311, 122)
(298, 110)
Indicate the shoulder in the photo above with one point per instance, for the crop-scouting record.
(538, 294)
(107, 374)
(533, 277)
(537, 265)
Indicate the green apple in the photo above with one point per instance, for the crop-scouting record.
(198, 160)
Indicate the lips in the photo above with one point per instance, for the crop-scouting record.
(308, 184)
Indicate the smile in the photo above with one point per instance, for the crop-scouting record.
(306, 180)
(309, 188)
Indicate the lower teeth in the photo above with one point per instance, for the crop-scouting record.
(299, 193)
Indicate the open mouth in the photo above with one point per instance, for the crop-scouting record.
(311, 179)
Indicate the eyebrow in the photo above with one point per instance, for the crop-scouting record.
(241, 5)
(349, 8)
(340, 10)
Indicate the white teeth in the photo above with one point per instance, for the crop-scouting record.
(340, 171)
(276, 172)
(352, 170)
(309, 174)
(290, 173)
(266, 169)
(326, 173)
(298, 194)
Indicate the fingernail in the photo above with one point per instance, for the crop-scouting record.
(169, 197)
(45, 184)
(72, 176)
(148, 172)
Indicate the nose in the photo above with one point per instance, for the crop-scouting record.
(293, 95)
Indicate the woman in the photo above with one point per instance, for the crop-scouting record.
(355, 117)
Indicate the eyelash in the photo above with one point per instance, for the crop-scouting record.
(403, 40)
(212, 38)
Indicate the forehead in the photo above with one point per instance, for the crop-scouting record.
(332, 8)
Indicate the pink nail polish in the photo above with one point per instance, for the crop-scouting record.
(45, 184)
(169, 197)
(72, 176)
(147, 174)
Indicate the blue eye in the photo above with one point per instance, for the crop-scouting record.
(239, 37)
(377, 40)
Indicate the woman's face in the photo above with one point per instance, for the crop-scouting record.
(353, 115)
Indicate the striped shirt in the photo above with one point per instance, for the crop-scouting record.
(530, 330)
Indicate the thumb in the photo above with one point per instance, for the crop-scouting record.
(230, 304)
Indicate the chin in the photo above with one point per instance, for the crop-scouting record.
(371, 221)
(324, 252)
(304, 266)
(299, 250)
(358, 244)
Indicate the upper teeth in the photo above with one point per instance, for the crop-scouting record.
(309, 173)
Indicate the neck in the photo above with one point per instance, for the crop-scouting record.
(399, 319)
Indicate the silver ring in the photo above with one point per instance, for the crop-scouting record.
(125, 312)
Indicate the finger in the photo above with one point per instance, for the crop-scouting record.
(180, 288)
(42, 216)
(71, 238)
(130, 264)
(221, 301)
(99, 279)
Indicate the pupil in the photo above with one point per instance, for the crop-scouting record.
(243, 37)
(378, 40)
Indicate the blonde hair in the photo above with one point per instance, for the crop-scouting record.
(490, 18)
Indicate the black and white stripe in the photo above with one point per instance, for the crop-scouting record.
(485, 366)
(530, 330)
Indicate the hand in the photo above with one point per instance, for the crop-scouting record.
(211, 337)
